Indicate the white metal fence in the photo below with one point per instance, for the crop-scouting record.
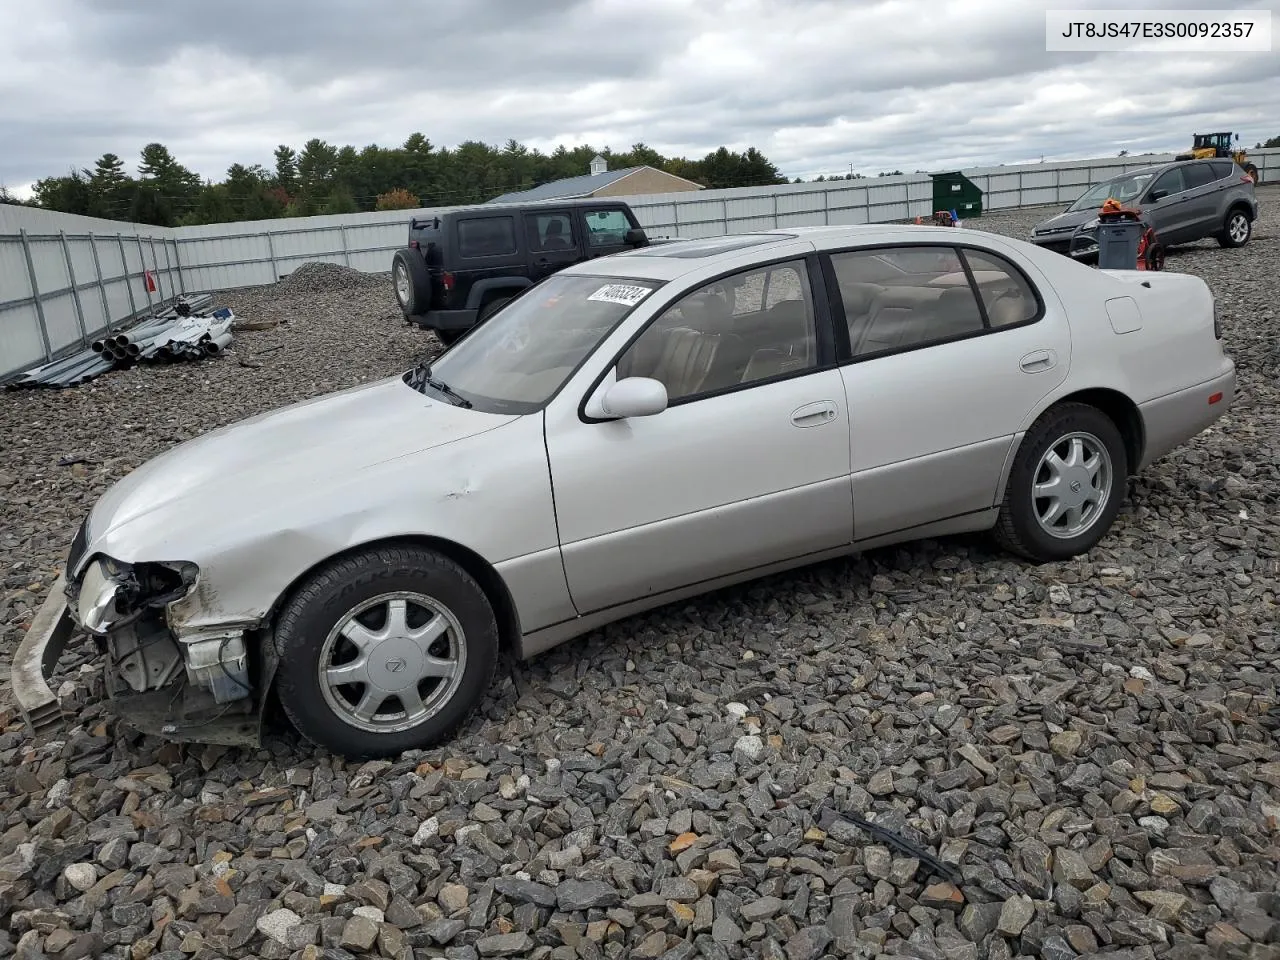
(63, 279)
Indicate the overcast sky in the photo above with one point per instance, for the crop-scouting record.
(817, 86)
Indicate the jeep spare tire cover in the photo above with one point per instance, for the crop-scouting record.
(412, 282)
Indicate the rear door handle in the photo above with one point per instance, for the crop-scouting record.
(814, 414)
(1038, 361)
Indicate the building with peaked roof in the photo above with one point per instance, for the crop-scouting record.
(603, 182)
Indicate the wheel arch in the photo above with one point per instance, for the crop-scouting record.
(490, 581)
(1118, 407)
(1243, 206)
(483, 290)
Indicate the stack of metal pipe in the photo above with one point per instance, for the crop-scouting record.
(184, 331)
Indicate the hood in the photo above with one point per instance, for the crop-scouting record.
(299, 446)
(1066, 221)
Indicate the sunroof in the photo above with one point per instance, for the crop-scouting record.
(709, 246)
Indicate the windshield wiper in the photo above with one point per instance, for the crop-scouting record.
(420, 376)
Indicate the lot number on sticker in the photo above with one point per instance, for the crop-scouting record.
(623, 293)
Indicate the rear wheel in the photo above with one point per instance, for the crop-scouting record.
(1236, 230)
(386, 651)
(412, 282)
(1066, 485)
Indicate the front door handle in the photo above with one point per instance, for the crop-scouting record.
(814, 414)
(1038, 361)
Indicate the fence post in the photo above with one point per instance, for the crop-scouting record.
(346, 252)
(155, 262)
(271, 252)
(124, 265)
(75, 290)
(35, 293)
(102, 287)
(142, 265)
(177, 263)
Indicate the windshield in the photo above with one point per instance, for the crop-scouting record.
(1124, 189)
(516, 360)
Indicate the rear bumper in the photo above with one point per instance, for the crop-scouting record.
(1172, 420)
(36, 657)
(446, 319)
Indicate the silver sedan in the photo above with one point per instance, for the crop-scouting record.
(631, 431)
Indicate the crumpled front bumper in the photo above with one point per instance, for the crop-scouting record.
(36, 657)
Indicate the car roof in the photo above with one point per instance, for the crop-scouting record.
(673, 259)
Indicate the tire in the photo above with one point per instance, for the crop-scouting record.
(1155, 257)
(450, 337)
(411, 281)
(1237, 229)
(1018, 528)
(310, 632)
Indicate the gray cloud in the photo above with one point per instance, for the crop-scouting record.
(816, 85)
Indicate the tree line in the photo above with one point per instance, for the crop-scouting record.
(323, 178)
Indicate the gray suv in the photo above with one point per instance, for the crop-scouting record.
(1184, 201)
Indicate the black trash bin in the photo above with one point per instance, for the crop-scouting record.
(955, 191)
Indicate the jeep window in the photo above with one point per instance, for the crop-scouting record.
(550, 231)
(1124, 189)
(486, 237)
(606, 228)
(515, 362)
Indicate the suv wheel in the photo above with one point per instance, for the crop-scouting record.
(1237, 229)
(412, 282)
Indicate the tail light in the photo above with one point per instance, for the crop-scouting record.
(413, 244)
(447, 280)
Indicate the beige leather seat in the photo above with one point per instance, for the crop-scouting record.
(895, 317)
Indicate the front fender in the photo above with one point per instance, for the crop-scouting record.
(490, 493)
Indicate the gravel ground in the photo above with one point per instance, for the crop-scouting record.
(1090, 746)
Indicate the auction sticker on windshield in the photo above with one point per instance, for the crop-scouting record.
(626, 294)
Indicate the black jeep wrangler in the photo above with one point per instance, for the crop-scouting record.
(464, 264)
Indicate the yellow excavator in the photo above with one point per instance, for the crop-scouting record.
(1208, 145)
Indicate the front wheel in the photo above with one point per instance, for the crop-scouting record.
(1066, 485)
(1237, 229)
(385, 651)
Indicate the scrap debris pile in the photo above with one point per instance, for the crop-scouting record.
(187, 330)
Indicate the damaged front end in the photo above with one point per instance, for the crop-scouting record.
(160, 678)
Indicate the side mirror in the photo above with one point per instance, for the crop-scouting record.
(1157, 196)
(628, 397)
(635, 237)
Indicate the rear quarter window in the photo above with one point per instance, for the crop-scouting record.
(486, 236)
(1221, 168)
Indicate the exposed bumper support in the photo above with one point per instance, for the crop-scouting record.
(36, 657)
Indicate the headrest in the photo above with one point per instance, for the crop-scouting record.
(707, 313)
(858, 296)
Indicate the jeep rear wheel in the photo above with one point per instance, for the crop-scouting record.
(412, 282)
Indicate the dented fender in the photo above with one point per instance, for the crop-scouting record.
(256, 506)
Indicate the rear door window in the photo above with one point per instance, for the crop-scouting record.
(1197, 175)
(486, 237)
(550, 231)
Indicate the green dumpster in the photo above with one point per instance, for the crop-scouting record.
(955, 191)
